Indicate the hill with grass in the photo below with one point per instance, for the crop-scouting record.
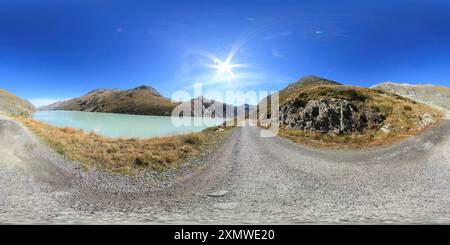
(434, 96)
(321, 110)
(142, 100)
(10, 104)
(293, 89)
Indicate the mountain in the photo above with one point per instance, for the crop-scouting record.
(10, 104)
(202, 106)
(51, 107)
(142, 100)
(295, 87)
(434, 96)
(305, 82)
(324, 106)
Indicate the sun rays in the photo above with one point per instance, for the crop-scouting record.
(224, 69)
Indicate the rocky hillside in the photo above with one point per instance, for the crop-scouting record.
(13, 105)
(435, 96)
(202, 106)
(142, 100)
(327, 107)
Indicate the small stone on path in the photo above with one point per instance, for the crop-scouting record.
(218, 193)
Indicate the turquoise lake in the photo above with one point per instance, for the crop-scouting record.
(127, 126)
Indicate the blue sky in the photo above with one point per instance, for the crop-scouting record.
(52, 50)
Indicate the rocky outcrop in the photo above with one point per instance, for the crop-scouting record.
(15, 106)
(329, 115)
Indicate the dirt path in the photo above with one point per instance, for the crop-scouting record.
(253, 179)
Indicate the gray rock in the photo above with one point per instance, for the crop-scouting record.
(425, 120)
(329, 115)
(386, 128)
(218, 193)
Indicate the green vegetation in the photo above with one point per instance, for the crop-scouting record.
(332, 91)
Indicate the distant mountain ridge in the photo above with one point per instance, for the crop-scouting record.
(202, 106)
(11, 104)
(142, 100)
(145, 100)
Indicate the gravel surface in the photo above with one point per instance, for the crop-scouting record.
(248, 179)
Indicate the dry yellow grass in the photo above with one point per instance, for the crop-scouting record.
(124, 155)
(353, 141)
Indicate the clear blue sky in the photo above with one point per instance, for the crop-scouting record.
(52, 50)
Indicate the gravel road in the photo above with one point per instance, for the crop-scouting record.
(248, 179)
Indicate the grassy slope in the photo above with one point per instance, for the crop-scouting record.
(124, 155)
(294, 88)
(402, 115)
(13, 105)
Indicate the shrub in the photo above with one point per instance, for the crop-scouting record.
(140, 161)
(59, 148)
(407, 108)
(192, 139)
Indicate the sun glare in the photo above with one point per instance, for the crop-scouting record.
(224, 69)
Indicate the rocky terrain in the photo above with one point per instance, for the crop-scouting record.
(321, 105)
(13, 105)
(435, 96)
(202, 106)
(142, 100)
(330, 115)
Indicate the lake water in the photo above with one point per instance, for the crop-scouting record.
(128, 126)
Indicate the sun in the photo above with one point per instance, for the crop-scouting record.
(224, 69)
